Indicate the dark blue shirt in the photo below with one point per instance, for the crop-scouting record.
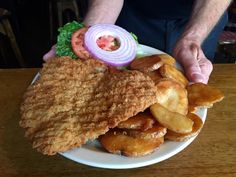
(162, 9)
(159, 23)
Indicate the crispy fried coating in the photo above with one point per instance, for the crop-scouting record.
(76, 101)
(202, 96)
(197, 126)
(141, 121)
(118, 142)
(172, 96)
(169, 71)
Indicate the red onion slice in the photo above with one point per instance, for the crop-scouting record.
(120, 57)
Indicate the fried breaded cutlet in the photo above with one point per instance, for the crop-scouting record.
(76, 101)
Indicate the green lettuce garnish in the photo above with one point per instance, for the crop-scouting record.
(123, 67)
(134, 36)
(63, 46)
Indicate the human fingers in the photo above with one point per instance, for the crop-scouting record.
(188, 58)
(50, 54)
(206, 67)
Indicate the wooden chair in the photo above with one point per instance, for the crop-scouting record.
(58, 8)
(227, 39)
(227, 46)
(6, 29)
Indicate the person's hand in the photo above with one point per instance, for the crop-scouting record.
(190, 55)
(50, 54)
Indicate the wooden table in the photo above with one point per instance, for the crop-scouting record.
(212, 154)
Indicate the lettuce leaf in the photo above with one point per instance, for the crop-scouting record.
(63, 46)
(134, 36)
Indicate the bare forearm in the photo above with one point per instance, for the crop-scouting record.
(205, 15)
(103, 11)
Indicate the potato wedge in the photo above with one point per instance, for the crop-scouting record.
(147, 63)
(156, 131)
(118, 142)
(202, 96)
(197, 126)
(155, 76)
(171, 120)
(141, 121)
(169, 71)
(172, 96)
(167, 59)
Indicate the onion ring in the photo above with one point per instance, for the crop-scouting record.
(120, 57)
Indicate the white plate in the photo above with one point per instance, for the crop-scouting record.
(93, 154)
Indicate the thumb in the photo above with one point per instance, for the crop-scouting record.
(193, 71)
(188, 59)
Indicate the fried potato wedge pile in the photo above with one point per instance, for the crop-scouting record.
(130, 138)
(170, 118)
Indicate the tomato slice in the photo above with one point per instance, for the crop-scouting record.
(108, 43)
(77, 43)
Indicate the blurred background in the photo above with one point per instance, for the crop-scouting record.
(29, 28)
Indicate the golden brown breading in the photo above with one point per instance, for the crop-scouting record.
(75, 101)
